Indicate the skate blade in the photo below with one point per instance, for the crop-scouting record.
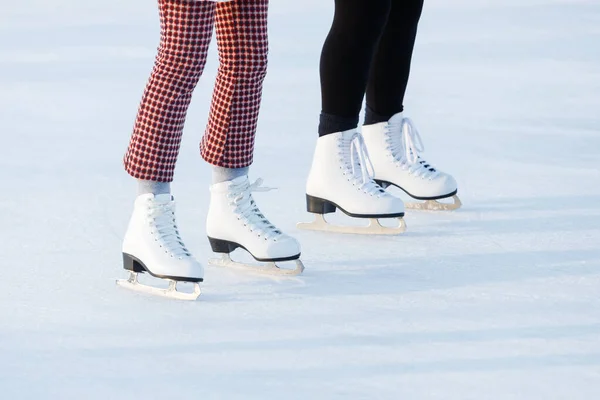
(171, 292)
(434, 205)
(269, 268)
(374, 227)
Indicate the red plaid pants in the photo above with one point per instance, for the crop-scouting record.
(186, 31)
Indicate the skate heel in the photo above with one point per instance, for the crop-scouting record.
(131, 264)
(222, 246)
(316, 205)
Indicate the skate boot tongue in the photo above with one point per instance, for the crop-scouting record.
(161, 211)
(163, 198)
(240, 180)
(405, 143)
(240, 194)
(396, 119)
(358, 164)
(242, 186)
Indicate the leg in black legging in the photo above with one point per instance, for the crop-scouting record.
(391, 64)
(346, 59)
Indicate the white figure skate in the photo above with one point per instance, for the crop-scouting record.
(340, 178)
(235, 221)
(153, 244)
(394, 147)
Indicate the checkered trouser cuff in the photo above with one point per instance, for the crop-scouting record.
(186, 31)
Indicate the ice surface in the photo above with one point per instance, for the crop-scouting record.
(500, 300)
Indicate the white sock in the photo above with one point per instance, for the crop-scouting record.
(221, 174)
(146, 187)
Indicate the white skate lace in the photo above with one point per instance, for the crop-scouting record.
(360, 167)
(162, 217)
(406, 150)
(240, 196)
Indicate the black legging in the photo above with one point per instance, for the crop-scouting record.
(369, 48)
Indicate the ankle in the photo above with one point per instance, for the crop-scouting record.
(375, 117)
(153, 187)
(222, 174)
(329, 123)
